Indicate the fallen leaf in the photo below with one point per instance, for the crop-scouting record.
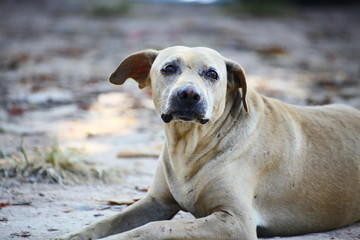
(17, 60)
(143, 189)
(23, 234)
(140, 150)
(273, 50)
(52, 230)
(4, 204)
(104, 208)
(15, 111)
(21, 203)
(119, 202)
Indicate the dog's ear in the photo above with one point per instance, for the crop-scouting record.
(237, 79)
(136, 66)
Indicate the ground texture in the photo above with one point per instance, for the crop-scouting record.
(55, 58)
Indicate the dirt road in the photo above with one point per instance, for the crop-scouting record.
(55, 58)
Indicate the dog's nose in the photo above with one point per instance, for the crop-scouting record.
(188, 94)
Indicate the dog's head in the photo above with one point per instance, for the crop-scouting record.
(188, 84)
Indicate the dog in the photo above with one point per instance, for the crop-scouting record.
(245, 165)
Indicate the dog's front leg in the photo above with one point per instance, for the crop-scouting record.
(146, 210)
(219, 225)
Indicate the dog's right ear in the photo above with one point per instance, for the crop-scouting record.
(136, 66)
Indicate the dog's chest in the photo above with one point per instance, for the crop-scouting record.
(188, 196)
(185, 195)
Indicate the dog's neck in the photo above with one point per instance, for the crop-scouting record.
(204, 137)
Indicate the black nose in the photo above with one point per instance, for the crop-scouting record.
(188, 95)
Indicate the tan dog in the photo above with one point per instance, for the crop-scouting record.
(241, 163)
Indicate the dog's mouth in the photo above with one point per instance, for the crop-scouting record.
(186, 104)
(186, 115)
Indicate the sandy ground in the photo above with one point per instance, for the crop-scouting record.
(54, 62)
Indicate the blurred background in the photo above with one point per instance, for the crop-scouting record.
(61, 121)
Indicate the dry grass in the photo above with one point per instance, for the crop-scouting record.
(105, 8)
(53, 165)
(261, 7)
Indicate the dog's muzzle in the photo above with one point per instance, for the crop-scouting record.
(187, 104)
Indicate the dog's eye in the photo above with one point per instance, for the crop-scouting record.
(212, 75)
(169, 69)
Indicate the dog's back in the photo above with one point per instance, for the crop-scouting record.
(316, 185)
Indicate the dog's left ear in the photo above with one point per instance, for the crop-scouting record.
(237, 79)
(136, 66)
